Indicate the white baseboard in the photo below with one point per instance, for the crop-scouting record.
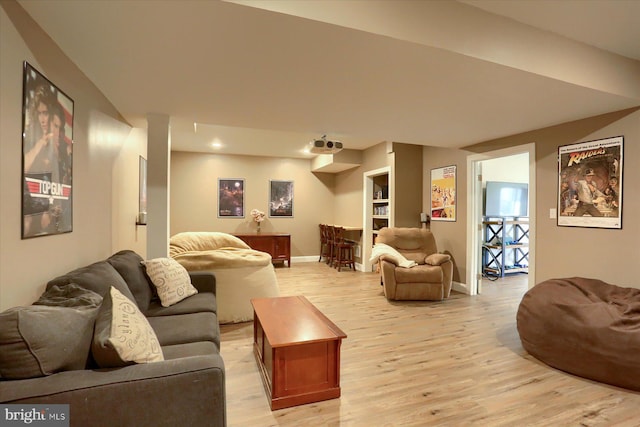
(305, 258)
(314, 258)
(460, 287)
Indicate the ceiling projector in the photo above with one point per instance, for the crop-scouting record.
(322, 146)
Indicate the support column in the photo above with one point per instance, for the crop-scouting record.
(158, 175)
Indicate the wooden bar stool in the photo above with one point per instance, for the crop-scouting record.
(325, 248)
(331, 243)
(344, 250)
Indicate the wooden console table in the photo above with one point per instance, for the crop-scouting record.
(297, 349)
(278, 245)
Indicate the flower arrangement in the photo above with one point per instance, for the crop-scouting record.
(258, 216)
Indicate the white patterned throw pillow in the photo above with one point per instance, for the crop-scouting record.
(122, 334)
(171, 280)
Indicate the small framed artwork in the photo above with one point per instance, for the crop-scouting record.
(281, 199)
(443, 193)
(47, 153)
(590, 183)
(231, 198)
(142, 191)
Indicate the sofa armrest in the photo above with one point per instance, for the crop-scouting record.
(203, 281)
(437, 259)
(184, 391)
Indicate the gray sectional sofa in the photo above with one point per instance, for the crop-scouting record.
(186, 388)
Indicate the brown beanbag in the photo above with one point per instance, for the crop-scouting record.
(585, 327)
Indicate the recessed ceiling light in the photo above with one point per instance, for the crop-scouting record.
(216, 143)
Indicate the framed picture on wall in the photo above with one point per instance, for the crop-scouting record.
(142, 191)
(281, 199)
(590, 183)
(231, 198)
(47, 153)
(443, 193)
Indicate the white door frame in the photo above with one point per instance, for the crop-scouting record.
(474, 215)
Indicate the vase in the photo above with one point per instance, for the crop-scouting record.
(258, 227)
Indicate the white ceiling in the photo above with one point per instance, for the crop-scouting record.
(266, 82)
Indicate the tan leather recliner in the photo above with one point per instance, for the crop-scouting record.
(429, 280)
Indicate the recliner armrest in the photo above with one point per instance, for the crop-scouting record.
(390, 259)
(437, 259)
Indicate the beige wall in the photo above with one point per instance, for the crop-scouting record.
(126, 233)
(319, 197)
(571, 251)
(408, 180)
(99, 135)
(348, 185)
(194, 180)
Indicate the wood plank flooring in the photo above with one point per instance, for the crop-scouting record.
(453, 363)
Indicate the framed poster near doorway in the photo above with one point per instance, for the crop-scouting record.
(443, 193)
(590, 184)
(142, 191)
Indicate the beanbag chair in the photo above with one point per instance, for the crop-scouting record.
(583, 326)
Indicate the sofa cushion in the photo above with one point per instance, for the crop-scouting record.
(190, 349)
(97, 277)
(122, 334)
(185, 328)
(171, 280)
(40, 340)
(201, 302)
(127, 263)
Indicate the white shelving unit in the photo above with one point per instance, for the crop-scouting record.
(380, 204)
(506, 246)
(377, 209)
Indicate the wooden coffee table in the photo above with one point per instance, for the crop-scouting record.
(297, 349)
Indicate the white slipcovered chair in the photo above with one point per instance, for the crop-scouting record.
(241, 272)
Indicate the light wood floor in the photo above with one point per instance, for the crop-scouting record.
(452, 363)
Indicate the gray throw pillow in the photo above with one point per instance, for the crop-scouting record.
(71, 295)
(40, 340)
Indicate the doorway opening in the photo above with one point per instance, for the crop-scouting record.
(476, 164)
